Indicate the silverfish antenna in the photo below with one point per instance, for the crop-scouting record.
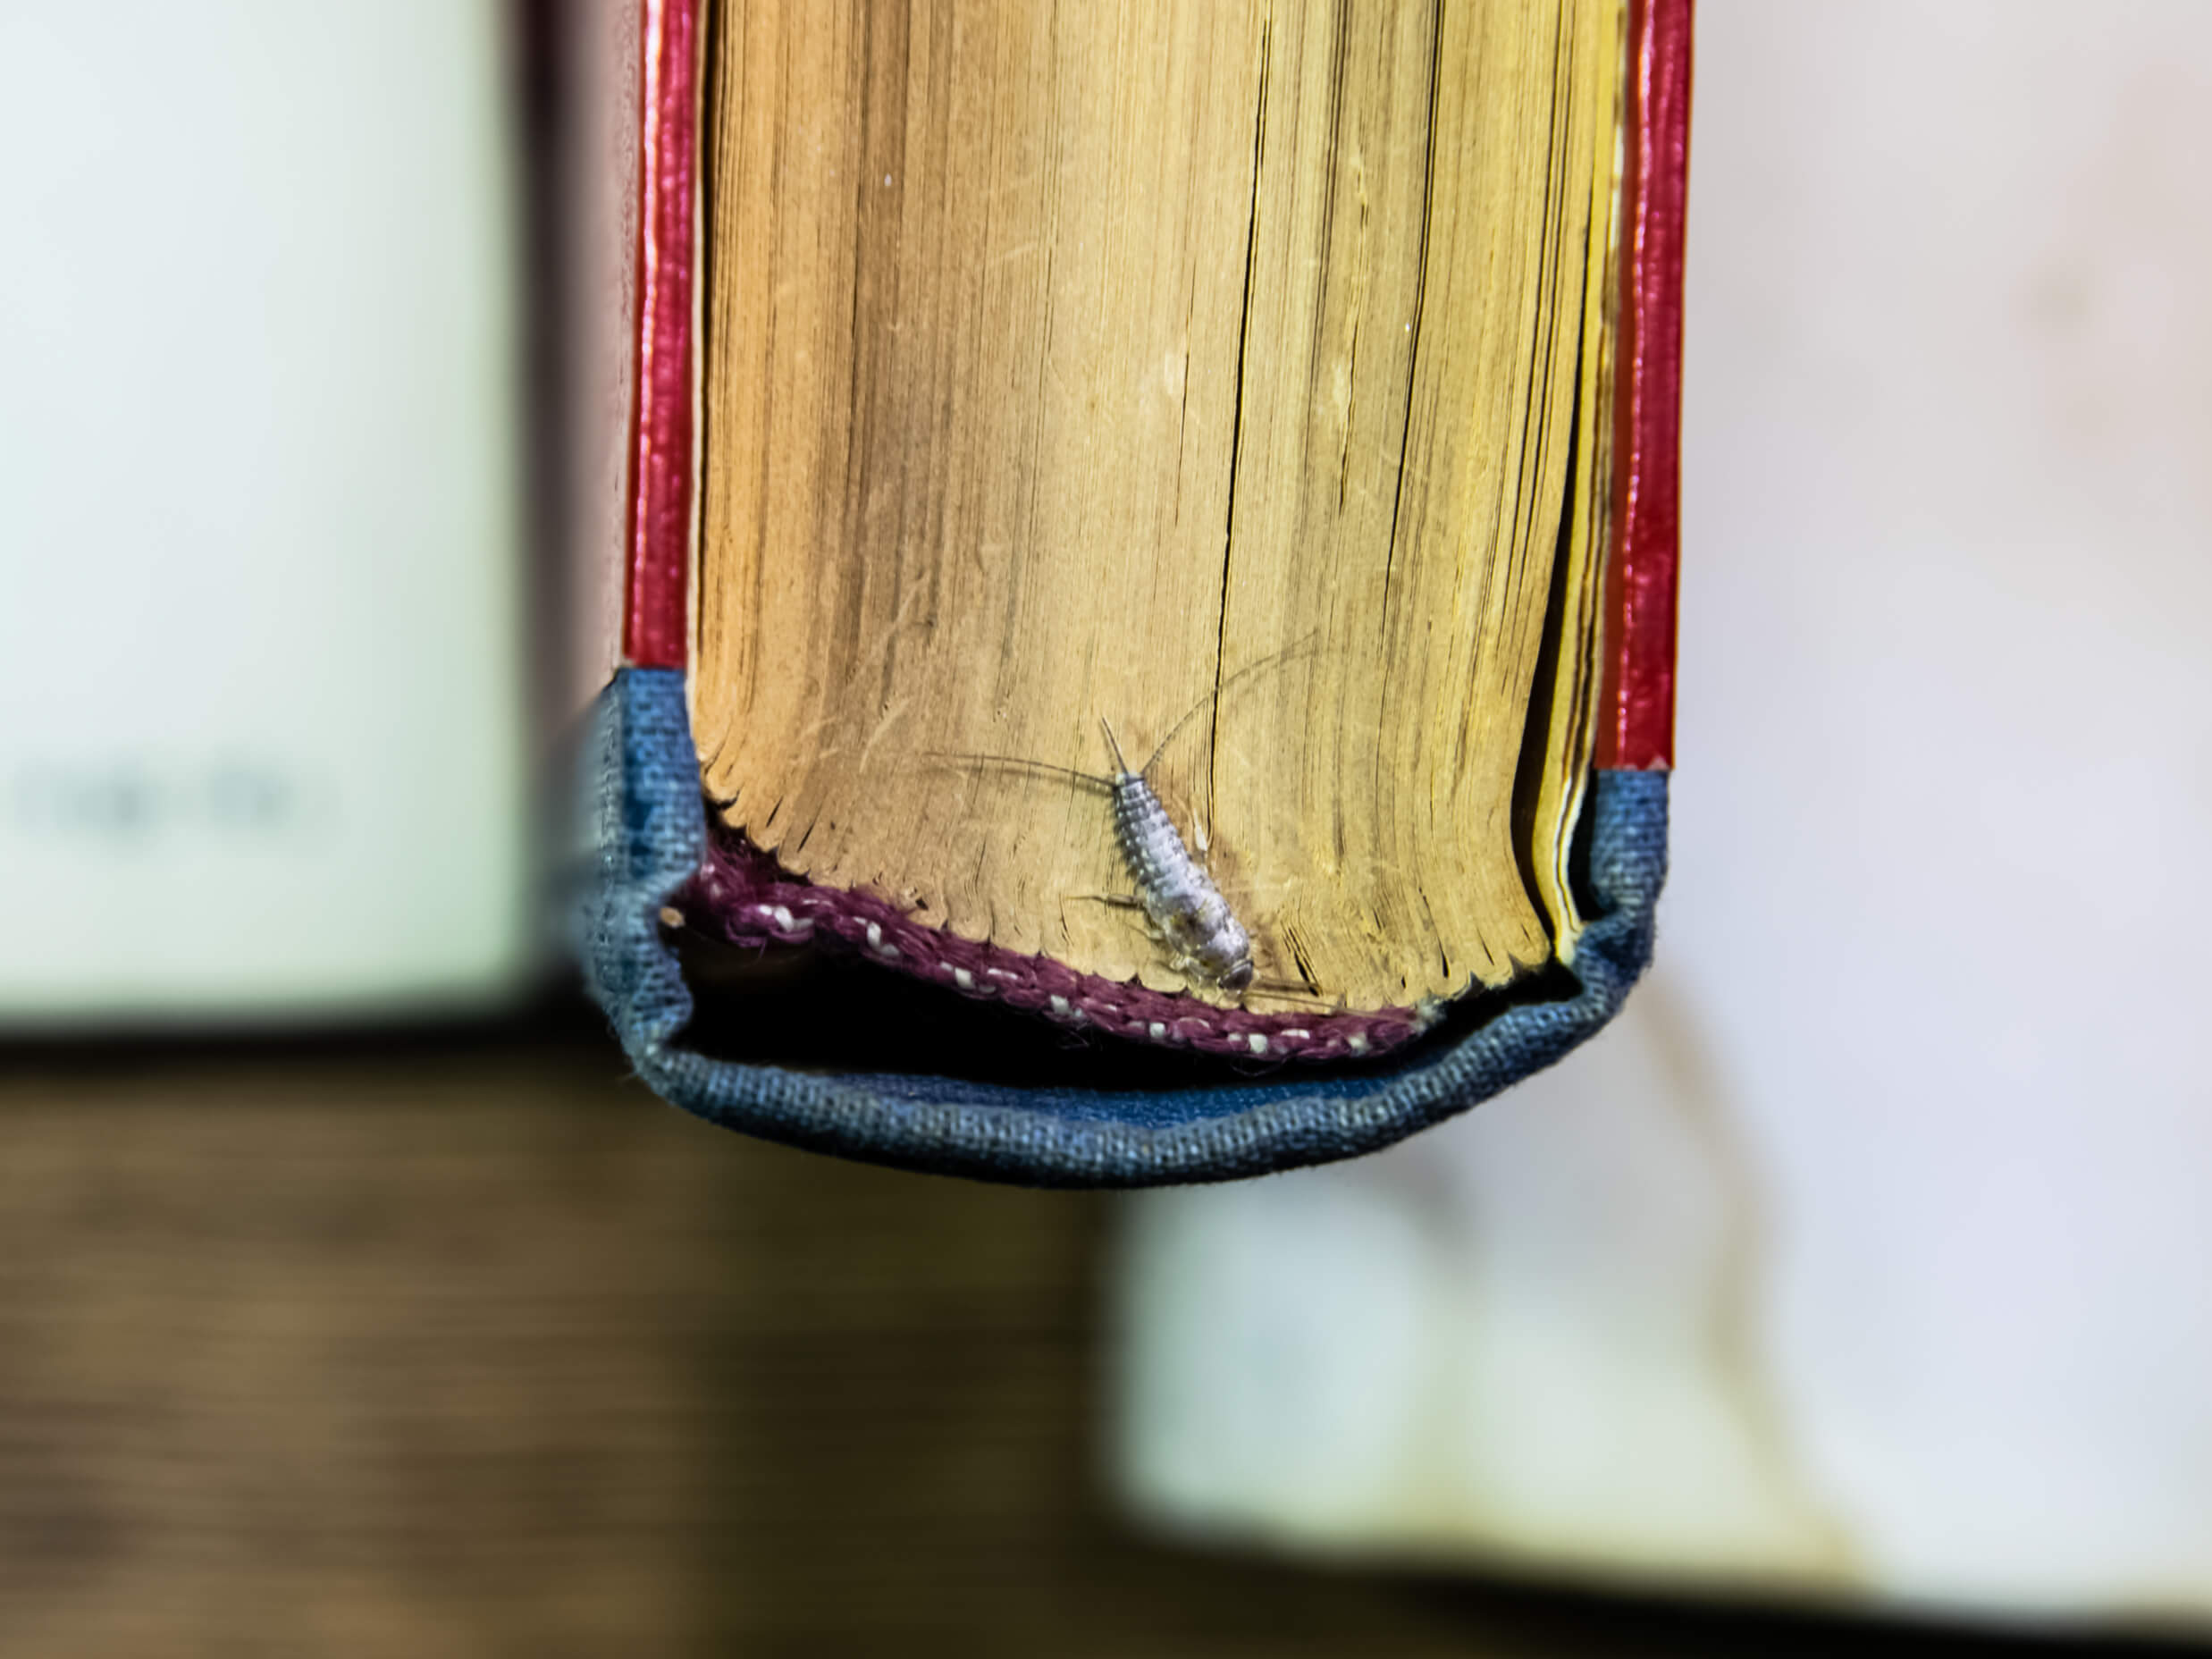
(1213, 698)
(1120, 764)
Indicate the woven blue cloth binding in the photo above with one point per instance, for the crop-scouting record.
(647, 829)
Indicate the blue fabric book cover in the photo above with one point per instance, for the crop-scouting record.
(1225, 1103)
(648, 829)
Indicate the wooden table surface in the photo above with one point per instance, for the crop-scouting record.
(467, 1345)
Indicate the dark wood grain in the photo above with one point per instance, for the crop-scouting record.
(476, 1349)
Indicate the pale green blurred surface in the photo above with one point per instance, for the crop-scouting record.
(260, 497)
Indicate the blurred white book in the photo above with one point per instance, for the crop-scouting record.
(261, 649)
(1868, 1255)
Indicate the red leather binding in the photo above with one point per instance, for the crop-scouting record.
(1636, 728)
(654, 631)
(1637, 711)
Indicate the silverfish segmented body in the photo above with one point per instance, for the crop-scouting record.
(1179, 898)
(1185, 910)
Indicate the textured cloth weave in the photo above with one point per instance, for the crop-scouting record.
(647, 834)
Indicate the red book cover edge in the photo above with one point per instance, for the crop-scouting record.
(1636, 707)
(655, 632)
(1635, 730)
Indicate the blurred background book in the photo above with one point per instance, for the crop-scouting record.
(1867, 1257)
(262, 645)
(1860, 1267)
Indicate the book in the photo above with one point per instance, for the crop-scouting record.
(263, 654)
(1276, 394)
